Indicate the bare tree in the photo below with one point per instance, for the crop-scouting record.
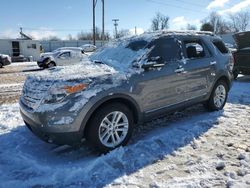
(51, 38)
(219, 25)
(191, 27)
(84, 36)
(89, 35)
(69, 37)
(207, 27)
(240, 21)
(123, 33)
(160, 22)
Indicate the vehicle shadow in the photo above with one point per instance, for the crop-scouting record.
(24, 157)
(33, 70)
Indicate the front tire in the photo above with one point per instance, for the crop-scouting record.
(51, 64)
(1, 65)
(218, 96)
(110, 127)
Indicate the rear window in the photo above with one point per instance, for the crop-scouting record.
(195, 49)
(221, 47)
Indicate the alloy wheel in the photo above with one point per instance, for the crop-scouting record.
(113, 129)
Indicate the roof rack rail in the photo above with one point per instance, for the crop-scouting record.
(184, 32)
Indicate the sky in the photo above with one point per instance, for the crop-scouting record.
(45, 18)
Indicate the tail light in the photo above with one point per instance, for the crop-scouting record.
(231, 63)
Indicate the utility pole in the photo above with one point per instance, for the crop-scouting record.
(103, 27)
(94, 35)
(116, 25)
(135, 30)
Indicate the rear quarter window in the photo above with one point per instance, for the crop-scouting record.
(221, 47)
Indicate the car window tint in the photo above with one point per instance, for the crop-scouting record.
(221, 46)
(195, 49)
(165, 48)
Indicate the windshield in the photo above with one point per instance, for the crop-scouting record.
(121, 55)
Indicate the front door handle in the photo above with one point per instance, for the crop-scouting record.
(179, 70)
(213, 63)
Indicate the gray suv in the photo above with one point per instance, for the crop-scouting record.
(130, 81)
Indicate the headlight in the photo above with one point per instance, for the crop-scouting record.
(56, 95)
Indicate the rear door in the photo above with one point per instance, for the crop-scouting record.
(200, 67)
(162, 87)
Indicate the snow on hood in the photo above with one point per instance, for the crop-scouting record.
(82, 70)
(99, 77)
(4, 56)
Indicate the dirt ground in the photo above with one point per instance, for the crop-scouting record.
(12, 78)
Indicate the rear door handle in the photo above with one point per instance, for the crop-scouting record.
(213, 63)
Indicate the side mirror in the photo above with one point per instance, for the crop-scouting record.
(153, 62)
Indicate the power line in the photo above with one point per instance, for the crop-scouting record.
(175, 6)
(192, 3)
(44, 29)
(62, 30)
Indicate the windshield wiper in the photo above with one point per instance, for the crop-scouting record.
(98, 62)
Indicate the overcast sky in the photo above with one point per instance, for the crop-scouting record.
(62, 17)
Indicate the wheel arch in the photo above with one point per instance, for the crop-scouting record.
(120, 98)
(225, 79)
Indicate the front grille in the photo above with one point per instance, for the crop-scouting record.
(34, 92)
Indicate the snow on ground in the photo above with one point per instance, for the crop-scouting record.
(192, 148)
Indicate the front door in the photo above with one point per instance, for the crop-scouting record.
(64, 59)
(162, 87)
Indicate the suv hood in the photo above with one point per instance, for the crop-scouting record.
(83, 71)
(48, 54)
(242, 39)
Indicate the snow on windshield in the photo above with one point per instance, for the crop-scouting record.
(122, 53)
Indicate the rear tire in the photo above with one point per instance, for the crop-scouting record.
(218, 96)
(1, 65)
(110, 127)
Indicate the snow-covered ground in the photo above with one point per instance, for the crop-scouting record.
(193, 148)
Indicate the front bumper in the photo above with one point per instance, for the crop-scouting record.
(6, 62)
(41, 64)
(56, 134)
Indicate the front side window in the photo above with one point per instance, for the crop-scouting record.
(165, 48)
(195, 49)
(64, 55)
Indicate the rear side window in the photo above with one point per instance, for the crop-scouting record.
(166, 48)
(195, 49)
(221, 46)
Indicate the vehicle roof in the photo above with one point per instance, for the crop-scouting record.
(149, 36)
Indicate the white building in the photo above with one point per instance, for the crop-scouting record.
(23, 47)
